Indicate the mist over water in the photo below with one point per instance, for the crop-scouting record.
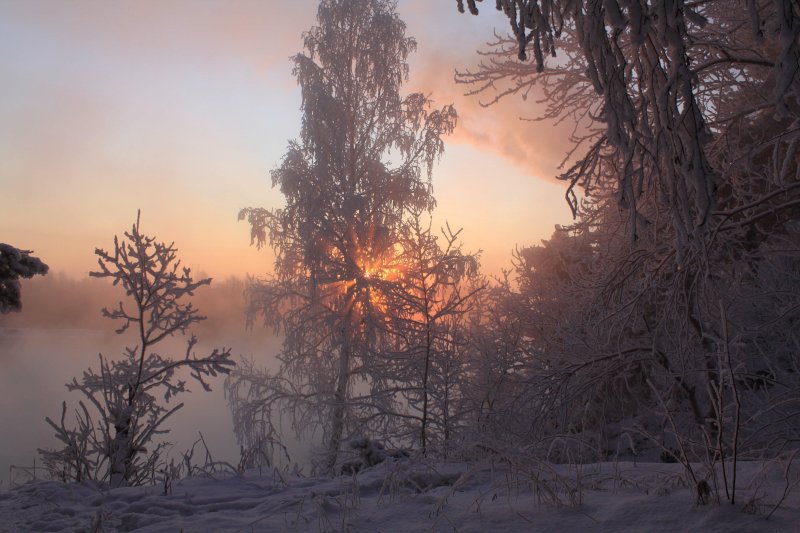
(37, 362)
(56, 338)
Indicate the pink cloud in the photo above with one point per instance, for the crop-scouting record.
(504, 128)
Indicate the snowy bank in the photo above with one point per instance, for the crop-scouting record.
(413, 496)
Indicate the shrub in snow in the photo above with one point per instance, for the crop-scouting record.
(122, 411)
(370, 453)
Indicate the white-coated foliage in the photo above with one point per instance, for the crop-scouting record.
(658, 66)
(122, 411)
(360, 168)
(427, 359)
(683, 335)
(16, 264)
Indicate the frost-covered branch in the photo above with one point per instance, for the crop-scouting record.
(361, 166)
(16, 264)
(126, 394)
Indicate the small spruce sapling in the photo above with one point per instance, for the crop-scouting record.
(126, 392)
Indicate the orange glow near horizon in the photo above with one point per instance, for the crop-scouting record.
(181, 110)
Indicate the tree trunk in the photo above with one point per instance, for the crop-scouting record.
(428, 350)
(423, 436)
(340, 399)
(121, 452)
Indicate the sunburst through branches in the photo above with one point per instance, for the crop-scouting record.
(370, 273)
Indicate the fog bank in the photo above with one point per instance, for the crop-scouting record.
(60, 333)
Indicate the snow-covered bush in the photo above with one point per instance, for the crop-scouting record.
(16, 264)
(370, 453)
(122, 410)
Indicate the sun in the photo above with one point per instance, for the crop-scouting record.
(363, 271)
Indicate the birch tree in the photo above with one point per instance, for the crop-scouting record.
(362, 162)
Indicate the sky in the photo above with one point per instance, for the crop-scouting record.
(182, 108)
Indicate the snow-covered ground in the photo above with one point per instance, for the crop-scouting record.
(414, 495)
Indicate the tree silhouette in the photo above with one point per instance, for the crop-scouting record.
(16, 264)
(361, 164)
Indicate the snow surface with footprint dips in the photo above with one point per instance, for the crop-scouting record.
(415, 495)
